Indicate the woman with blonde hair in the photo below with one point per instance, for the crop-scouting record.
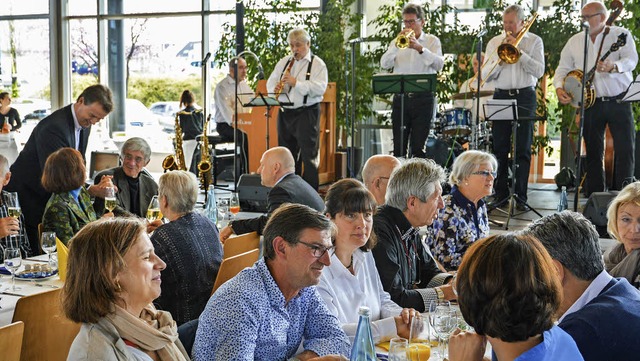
(623, 259)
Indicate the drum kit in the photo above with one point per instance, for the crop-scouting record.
(455, 127)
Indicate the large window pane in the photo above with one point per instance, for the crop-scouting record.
(21, 7)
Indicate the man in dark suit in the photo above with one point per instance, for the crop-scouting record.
(135, 185)
(277, 170)
(66, 127)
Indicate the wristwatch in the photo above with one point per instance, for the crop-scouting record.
(440, 293)
(421, 50)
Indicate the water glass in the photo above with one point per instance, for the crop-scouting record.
(398, 348)
(443, 320)
(48, 243)
(223, 209)
(419, 347)
(12, 262)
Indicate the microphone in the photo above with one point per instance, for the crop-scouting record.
(206, 59)
(585, 25)
(482, 33)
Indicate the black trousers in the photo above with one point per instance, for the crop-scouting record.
(620, 119)
(226, 133)
(501, 131)
(418, 114)
(299, 131)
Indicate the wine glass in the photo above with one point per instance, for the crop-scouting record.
(443, 319)
(398, 348)
(13, 210)
(12, 261)
(234, 204)
(48, 243)
(153, 211)
(419, 348)
(110, 201)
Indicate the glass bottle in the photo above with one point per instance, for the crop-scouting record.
(363, 348)
(210, 208)
(563, 204)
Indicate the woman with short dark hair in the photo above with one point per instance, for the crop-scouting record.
(509, 291)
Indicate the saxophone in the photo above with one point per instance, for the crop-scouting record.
(204, 167)
(176, 161)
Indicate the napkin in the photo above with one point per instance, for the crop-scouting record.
(63, 254)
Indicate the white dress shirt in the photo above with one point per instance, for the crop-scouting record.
(606, 84)
(77, 127)
(409, 61)
(314, 88)
(224, 97)
(344, 293)
(525, 72)
(594, 289)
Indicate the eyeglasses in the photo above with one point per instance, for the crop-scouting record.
(587, 17)
(486, 173)
(317, 250)
(410, 22)
(129, 157)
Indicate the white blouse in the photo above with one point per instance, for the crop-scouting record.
(344, 293)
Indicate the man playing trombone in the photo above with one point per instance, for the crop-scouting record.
(611, 79)
(413, 52)
(515, 77)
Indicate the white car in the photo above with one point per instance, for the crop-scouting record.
(167, 112)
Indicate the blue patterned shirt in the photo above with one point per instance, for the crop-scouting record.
(459, 224)
(247, 318)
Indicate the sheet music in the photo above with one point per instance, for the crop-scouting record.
(633, 92)
(499, 109)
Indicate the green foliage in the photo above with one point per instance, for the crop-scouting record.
(151, 90)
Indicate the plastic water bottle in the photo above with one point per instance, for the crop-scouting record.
(563, 203)
(210, 208)
(363, 348)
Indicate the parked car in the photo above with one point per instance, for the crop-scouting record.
(38, 114)
(167, 112)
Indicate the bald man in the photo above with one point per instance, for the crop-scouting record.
(277, 171)
(612, 77)
(376, 173)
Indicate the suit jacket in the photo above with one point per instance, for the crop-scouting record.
(147, 189)
(291, 189)
(65, 216)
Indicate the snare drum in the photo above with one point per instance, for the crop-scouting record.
(456, 121)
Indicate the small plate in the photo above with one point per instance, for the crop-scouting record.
(32, 276)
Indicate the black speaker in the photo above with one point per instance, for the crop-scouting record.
(252, 194)
(596, 209)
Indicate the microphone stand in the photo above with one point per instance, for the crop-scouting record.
(474, 136)
(581, 128)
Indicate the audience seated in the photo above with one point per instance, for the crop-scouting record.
(9, 226)
(266, 311)
(509, 292)
(135, 185)
(376, 173)
(623, 260)
(113, 276)
(69, 208)
(190, 246)
(600, 312)
(351, 280)
(464, 219)
(277, 170)
(407, 270)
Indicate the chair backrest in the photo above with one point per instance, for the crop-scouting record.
(11, 341)
(239, 244)
(233, 265)
(48, 334)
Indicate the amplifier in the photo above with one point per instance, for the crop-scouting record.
(252, 194)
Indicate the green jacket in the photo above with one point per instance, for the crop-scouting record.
(64, 215)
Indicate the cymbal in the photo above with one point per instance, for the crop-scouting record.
(471, 95)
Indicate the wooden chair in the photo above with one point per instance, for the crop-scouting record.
(48, 334)
(11, 341)
(239, 244)
(233, 265)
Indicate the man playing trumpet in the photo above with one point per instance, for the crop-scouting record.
(514, 81)
(612, 77)
(414, 52)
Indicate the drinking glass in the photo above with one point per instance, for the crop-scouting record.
(14, 210)
(48, 243)
(234, 204)
(12, 261)
(443, 319)
(398, 347)
(153, 211)
(223, 209)
(419, 348)
(110, 201)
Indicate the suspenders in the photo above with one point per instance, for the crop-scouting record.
(308, 75)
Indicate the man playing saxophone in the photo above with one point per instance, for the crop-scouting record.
(518, 81)
(304, 83)
(611, 79)
(413, 52)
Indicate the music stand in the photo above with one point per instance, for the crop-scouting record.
(632, 94)
(506, 110)
(267, 100)
(393, 83)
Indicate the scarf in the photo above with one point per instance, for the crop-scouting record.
(153, 331)
(620, 264)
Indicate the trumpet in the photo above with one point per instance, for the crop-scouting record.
(509, 53)
(403, 40)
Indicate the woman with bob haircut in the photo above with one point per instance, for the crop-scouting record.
(464, 218)
(113, 276)
(69, 208)
(509, 291)
(352, 280)
(623, 259)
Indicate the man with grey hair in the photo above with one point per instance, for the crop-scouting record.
(600, 312)
(10, 226)
(135, 185)
(376, 173)
(300, 79)
(407, 270)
